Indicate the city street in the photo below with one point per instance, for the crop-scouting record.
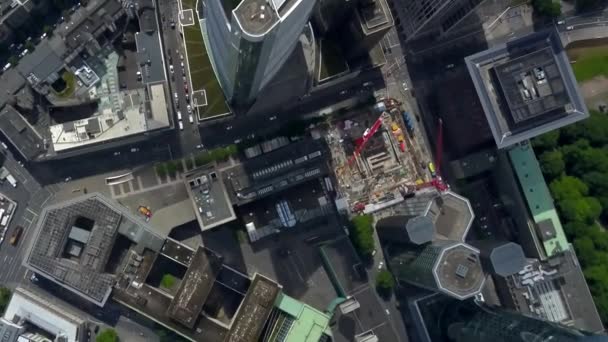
(178, 79)
(30, 198)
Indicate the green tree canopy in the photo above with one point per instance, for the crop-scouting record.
(107, 335)
(362, 234)
(581, 209)
(568, 187)
(547, 141)
(552, 163)
(597, 182)
(5, 298)
(588, 160)
(385, 280)
(547, 8)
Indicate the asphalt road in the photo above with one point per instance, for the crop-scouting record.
(30, 198)
(243, 128)
(179, 83)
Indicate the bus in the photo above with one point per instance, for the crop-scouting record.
(16, 235)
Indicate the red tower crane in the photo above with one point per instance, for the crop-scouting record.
(437, 181)
(366, 137)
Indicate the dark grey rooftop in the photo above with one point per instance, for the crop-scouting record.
(148, 47)
(20, 133)
(254, 311)
(375, 17)
(458, 270)
(187, 304)
(526, 87)
(41, 63)
(507, 259)
(452, 215)
(81, 267)
(420, 229)
(275, 171)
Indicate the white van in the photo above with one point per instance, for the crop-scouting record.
(179, 115)
(181, 126)
(191, 118)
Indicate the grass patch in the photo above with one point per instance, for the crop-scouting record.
(70, 85)
(590, 62)
(168, 281)
(332, 60)
(201, 72)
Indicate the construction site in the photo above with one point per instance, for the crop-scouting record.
(378, 158)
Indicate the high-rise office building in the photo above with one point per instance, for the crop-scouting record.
(437, 318)
(469, 321)
(372, 20)
(250, 40)
(432, 17)
(449, 267)
(331, 14)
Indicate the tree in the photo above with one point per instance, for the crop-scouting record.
(588, 160)
(547, 141)
(362, 234)
(107, 335)
(161, 170)
(576, 229)
(582, 209)
(552, 163)
(597, 182)
(568, 187)
(13, 60)
(47, 29)
(547, 8)
(29, 45)
(5, 298)
(573, 152)
(385, 282)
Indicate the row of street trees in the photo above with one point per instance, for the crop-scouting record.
(574, 161)
(172, 167)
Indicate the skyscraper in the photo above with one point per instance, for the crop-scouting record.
(470, 321)
(432, 17)
(250, 40)
(449, 267)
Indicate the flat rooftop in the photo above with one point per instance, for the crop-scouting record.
(549, 231)
(209, 197)
(187, 304)
(149, 53)
(375, 17)
(452, 215)
(75, 239)
(526, 87)
(275, 171)
(254, 311)
(458, 271)
(21, 134)
(37, 311)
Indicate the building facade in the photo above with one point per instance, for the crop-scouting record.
(250, 42)
(420, 18)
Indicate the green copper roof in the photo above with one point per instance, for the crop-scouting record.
(536, 192)
(309, 323)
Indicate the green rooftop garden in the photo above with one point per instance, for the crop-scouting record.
(201, 72)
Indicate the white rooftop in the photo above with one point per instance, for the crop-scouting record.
(49, 317)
